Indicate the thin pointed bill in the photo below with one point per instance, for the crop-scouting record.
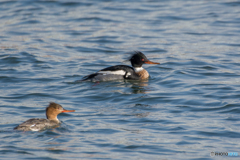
(150, 62)
(64, 110)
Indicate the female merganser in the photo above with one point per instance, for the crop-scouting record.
(37, 124)
(136, 72)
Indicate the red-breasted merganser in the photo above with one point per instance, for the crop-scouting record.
(37, 124)
(136, 72)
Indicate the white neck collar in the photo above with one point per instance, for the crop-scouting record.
(138, 69)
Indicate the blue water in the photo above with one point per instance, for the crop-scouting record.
(187, 109)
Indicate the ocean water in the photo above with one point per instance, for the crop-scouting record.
(188, 108)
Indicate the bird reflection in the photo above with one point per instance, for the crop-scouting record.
(142, 115)
(139, 86)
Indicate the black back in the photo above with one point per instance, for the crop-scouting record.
(130, 73)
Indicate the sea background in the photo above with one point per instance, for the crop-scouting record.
(188, 108)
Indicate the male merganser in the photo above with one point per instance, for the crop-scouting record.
(136, 72)
(37, 124)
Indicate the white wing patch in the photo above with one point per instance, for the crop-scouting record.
(33, 125)
(128, 74)
(34, 129)
(118, 72)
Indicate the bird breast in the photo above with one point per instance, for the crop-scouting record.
(143, 74)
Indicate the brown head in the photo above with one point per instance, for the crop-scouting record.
(54, 109)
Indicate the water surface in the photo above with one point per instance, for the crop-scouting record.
(188, 108)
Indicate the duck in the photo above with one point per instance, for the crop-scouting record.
(123, 72)
(38, 124)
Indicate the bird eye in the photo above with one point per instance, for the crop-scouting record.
(142, 59)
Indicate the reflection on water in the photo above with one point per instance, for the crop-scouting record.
(139, 86)
(189, 108)
(141, 115)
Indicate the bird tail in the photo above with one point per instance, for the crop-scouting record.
(87, 78)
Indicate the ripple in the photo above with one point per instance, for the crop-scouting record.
(187, 108)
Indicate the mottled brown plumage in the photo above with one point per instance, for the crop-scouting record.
(37, 124)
